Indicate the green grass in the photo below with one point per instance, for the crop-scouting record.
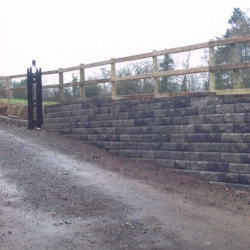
(25, 102)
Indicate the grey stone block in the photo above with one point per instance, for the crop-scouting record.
(144, 146)
(191, 156)
(242, 107)
(148, 154)
(200, 147)
(245, 179)
(182, 147)
(137, 138)
(105, 110)
(175, 155)
(156, 130)
(189, 111)
(154, 106)
(155, 122)
(245, 158)
(160, 113)
(222, 128)
(193, 138)
(196, 119)
(235, 118)
(128, 123)
(169, 146)
(239, 168)
(248, 117)
(117, 123)
(182, 164)
(140, 122)
(246, 137)
(167, 105)
(219, 177)
(203, 128)
(231, 138)
(181, 120)
(165, 163)
(123, 116)
(125, 138)
(210, 137)
(210, 157)
(209, 166)
(130, 145)
(172, 129)
(134, 130)
(186, 129)
(204, 110)
(221, 147)
(173, 112)
(111, 130)
(182, 103)
(216, 118)
(241, 147)
(242, 128)
(161, 154)
(142, 107)
(231, 158)
(225, 108)
(131, 153)
(177, 138)
(167, 121)
(92, 137)
(128, 107)
(112, 109)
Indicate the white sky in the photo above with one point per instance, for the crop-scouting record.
(60, 34)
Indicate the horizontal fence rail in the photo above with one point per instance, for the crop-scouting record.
(234, 67)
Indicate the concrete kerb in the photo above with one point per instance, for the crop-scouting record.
(17, 122)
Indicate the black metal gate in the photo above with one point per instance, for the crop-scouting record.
(35, 108)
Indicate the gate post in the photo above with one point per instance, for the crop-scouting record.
(35, 108)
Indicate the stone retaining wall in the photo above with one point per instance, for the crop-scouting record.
(198, 134)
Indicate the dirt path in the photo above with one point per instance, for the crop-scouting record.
(56, 193)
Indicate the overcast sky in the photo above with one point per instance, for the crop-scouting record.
(60, 34)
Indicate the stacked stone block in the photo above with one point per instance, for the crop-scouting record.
(199, 133)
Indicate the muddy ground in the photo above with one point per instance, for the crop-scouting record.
(57, 193)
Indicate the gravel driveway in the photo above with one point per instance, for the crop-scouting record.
(57, 193)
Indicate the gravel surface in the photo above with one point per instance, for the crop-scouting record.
(57, 193)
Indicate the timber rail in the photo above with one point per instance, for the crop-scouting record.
(211, 68)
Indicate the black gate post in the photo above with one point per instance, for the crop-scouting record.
(35, 108)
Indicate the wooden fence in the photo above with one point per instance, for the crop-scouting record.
(235, 66)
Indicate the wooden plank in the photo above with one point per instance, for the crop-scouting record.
(230, 66)
(50, 72)
(240, 39)
(113, 75)
(20, 88)
(16, 76)
(82, 79)
(233, 91)
(155, 70)
(211, 64)
(163, 73)
(61, 84)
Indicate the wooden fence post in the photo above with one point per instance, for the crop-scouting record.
(236, 59)
(211, 63)
(61, 84)
(155, 70)
(113, 75)
(82, 79)
(8, 94)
